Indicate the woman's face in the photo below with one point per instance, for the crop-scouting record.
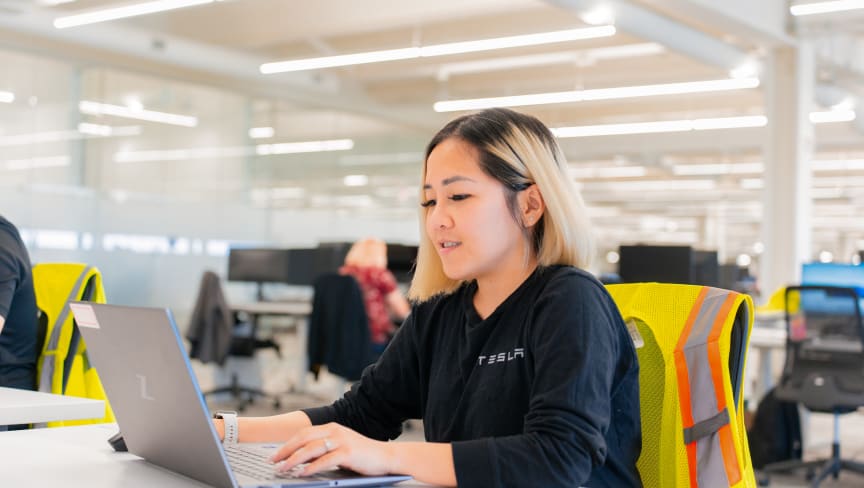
(467, 217)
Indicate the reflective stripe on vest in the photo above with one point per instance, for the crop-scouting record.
(49, 364)
(707, 432)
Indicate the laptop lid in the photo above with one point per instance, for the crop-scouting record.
(145, 370)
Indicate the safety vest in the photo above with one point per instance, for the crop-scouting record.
(56, 284)
(693, 432)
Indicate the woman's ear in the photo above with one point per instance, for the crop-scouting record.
(531, 205)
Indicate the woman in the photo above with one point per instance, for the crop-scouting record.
(515, 359)
(366, 261)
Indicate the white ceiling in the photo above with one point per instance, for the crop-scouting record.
(387, 107)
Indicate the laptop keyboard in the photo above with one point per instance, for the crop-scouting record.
(252, 463)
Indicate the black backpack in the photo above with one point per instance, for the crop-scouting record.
(776, 432)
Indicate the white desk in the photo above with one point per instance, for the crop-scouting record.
(74, 457)
(28, 407)
(766, 337)
(297, 309)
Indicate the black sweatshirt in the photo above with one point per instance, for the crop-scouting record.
(544, 392)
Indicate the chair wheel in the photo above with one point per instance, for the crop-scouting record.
(763, 479)
(277, 404)
(810, 474)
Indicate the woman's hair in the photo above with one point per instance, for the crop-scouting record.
(367, 253)
(518, 151)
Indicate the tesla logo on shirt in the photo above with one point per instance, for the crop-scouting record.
(501, 357)
(142, 382)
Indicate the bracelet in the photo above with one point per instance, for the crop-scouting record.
(229, 419)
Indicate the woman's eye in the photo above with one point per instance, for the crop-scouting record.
(427, 203)
(460, 196)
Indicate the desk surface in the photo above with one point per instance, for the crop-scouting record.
(300, 308)
(75, 457)
(27, 407)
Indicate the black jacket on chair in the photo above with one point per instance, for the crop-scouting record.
(212, 324)
(338, 328)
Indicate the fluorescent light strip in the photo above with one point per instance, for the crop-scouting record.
(438, 49)
(33, 163)
(232, 151)
(305, 147)
(608, 172)
(7, 97)
(261, 132)
(96, 108)
(649, 185)
(586, 56)
(68, 135)
(825, 7)
(837, 164)
(741, 122)
(598, 94)
(124, 12)
(832, 116)
(718, 169)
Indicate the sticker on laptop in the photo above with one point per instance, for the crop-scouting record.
(84, 315)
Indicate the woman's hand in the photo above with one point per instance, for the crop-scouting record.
(333, 445)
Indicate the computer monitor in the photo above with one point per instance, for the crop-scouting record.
(666, 264)
(705, 268)
(832, 274)
(258, 265)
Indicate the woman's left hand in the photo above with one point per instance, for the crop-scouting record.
(333, 445)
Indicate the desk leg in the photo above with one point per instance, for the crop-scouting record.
(302, 337)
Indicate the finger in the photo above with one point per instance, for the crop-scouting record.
(326, 462)
(296, 442)
(313, 450)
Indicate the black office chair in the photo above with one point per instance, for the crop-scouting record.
(216, 332)
(824, 368)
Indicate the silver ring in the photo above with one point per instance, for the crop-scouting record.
(328, 446)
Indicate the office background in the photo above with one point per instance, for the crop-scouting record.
(155, 202)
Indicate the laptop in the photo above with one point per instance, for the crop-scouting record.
(146, 373)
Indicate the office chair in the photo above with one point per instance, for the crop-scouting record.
(691, 342)
(824, 367)
(216, 332)
(339, 328)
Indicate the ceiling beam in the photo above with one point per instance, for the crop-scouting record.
(676, 36)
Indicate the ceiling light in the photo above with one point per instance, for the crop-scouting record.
(304, 147)
(96, 108)
(438, 49)
(599, 15)
(384, 158)
(649, 185)
(718, 169)
(608, 172)
(582, 57)
(232, 151)
(837, 164)
(832, 116)
(124, 12)
(261, 132)
(7, 97)
(67, 135)
(740, 122)
(825, 7)
(32, 163)
(598, 94)
(355, 180)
